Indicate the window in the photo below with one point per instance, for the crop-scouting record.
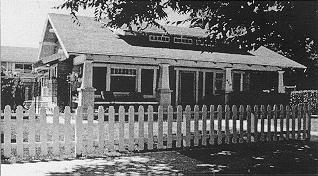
(236, 82)
(23, 68)
(183, 40)
(218, 83)
(155, 38)
(123, 80)
(147, 81)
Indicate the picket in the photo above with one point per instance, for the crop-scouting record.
(308, 122)
(31, 131)
(179, 126)
(287, 114)
(131, 116)
(249, 123)
(269, 119)
(241, 114)
(212, 117)
(234, 118)
(219, 132)
(121, 128)
(141, 118)
(170, 127)
(281, 122)
(90, 126)
(275, 116)
(19, 138)
(43, 136)
(101, 130)
(67, 131)
(111, 129)
(227, 124)
(188, 123)
(7, 131)
(263, 112)
(191, 126)
(160, 127)
(196, 125)
(150, 127)
(204, 131)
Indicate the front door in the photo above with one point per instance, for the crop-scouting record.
(187, 88)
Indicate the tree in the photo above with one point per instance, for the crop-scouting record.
(289, 28)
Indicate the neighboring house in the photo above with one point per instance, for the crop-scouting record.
(175, 68)
(17, 62)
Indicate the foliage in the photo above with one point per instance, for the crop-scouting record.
(305, 97)
(11, 91)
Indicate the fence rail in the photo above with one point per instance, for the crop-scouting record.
(65, 135)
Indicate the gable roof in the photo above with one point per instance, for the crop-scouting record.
(19, 54)
(91, 38)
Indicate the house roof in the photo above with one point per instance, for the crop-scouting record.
(19, 54)
(90, 38)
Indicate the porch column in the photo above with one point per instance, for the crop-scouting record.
(281, 88)
(164, 92)
(86, 91)
(228, 83)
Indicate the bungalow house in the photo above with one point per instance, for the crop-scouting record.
(181, 67)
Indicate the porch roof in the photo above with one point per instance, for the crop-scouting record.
(90, 38)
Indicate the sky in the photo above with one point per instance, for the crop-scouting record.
(22, 21)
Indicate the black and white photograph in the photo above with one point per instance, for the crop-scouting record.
(159, 87)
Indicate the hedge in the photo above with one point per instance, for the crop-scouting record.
(305, 97)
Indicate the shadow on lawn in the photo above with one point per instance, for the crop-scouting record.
(283, 157)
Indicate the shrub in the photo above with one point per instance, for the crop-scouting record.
(305, 97)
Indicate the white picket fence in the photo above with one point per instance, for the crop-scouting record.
(66, 135)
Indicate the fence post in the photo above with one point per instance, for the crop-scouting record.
(196, 125)
(170, 117)
(220, 135)
(234, 117)
(212, 117)
(32, 131)
(249, 122)
(67, 130)
(79, 132)
(227, 128)
(19, 138)
(188, 123)
(263, 111)
(150, 127)
(43, 127)
(287, 121)
(179, 125)
(141, 119)
(204, 118)
(269, 119)
(7, 131)
(121, 128)
(241, 114)
(101, 130)
(131, 116)
(255, 129)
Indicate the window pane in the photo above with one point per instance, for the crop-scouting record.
(123, 84)
(147, 81)
(19, 66)
(208, 84)
(99, 79)
(27, 68)
(236, 82)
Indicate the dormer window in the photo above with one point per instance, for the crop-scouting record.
(183, 40)
(159, 38)
(200, 42)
